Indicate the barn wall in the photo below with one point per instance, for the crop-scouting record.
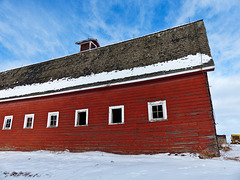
(189, 128)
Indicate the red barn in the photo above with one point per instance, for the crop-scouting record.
(145, 95)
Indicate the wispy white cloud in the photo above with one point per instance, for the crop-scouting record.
(27, 31)
(34, 31)
(192, 9)
(114, 21)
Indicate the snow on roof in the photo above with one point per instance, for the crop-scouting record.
(187, 62)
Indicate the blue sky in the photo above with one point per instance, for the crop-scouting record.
(33, 31)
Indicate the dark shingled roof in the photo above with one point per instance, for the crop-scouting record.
(162, 46)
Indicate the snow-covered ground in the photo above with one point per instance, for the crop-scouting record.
(98, 165)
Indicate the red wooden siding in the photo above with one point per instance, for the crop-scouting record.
(190, 126)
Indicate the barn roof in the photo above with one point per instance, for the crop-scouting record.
(177, 50)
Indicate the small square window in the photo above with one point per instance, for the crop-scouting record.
(116, 114)
(157, 111)
(81, 117)
(28, 121)
(53, 119)
(7, 122)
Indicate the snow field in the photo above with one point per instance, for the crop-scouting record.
(98, 165)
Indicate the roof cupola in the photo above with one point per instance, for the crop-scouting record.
(88, 44)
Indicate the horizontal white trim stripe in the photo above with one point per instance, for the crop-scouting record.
(111, 84)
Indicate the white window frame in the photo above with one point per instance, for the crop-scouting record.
(150, 113)
(5, 122)
(90, 44)
(76, 117)
(25, 121)
(110, 117)
(50, 114)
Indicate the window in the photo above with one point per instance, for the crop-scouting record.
(28, 121)
(7, 122)
(116, 114)
(81, 117)
(157, 111)
(52, 119)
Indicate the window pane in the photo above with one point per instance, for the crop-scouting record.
(116, 115)
(82, 118)
(53, 118)
(155, 115)
(160, 114)
(8, 123)
(53, 121)
(157, 111)
(154, 108)
(29, 122)
(160, 108)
